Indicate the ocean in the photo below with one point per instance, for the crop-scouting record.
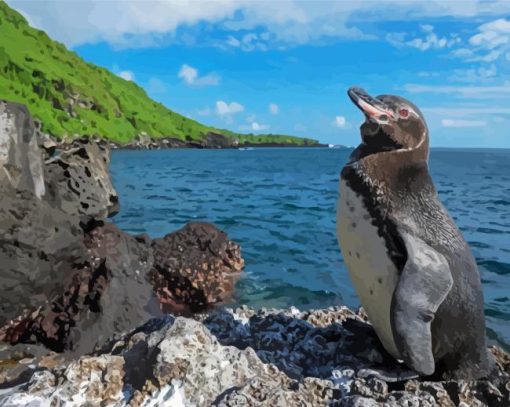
(279, 205)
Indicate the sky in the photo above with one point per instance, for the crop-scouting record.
(284, 66)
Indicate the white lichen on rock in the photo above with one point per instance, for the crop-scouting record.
(244, 357)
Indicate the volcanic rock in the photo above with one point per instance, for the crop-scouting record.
(245, 357)
(195, 267)
(40, 252)
(20, 160)
(69, 279)
(78, 181)
(216, 140)
(123, 281)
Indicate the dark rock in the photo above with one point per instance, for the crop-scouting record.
(78, 181)
(70, 280)
(170, 142)
(40, 253)
(48, 145)
(216, 140)
(211, 140)
(124, 297)
(194, 268)
(114, 289)
(109, 294)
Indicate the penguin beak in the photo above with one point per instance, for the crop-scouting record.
(372, 107)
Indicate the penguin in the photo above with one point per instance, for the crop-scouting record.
(412, 270)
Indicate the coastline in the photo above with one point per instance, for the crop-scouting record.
(117, 319)
(232, 357)
(211, 143)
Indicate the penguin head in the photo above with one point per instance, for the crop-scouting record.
(392, 122)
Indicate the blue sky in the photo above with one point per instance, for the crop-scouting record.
(284, 66)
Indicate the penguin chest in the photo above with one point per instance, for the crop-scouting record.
(371, 270)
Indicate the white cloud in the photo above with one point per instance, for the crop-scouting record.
(258, 127)
(490, 57)
(254, 127)
(490, 43)
(263, 24)
(253, 124)
(288, 23)
(226, 109)
(478, 54)
(191, 77)
(473, 92)
(188, 73)
(121, 23)
(233, 42)
(250, 42)
(492, 34)
(463, 123)
(469, 111)
(396, 39)
(475, 75)
(430, 41)
(429, 74)
(127, 75)
(466, 116)
(433, 41)
(274, 108)
(340, 122)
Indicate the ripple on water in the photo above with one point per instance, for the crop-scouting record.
(495, 266)
(279, 204)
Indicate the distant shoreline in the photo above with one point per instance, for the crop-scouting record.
(316, 146)
(212, 143)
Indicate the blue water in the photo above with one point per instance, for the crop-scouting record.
(279, 204)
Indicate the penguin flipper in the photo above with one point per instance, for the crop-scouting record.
(423, 285)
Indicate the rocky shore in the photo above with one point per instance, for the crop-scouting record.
(94, 316)
(240, 357)
(69, 278)
(212, 140)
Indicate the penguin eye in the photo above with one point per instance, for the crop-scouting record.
(404, 113)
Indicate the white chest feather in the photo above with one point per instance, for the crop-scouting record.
(372, 272)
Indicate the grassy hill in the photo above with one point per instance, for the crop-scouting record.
(72, 97)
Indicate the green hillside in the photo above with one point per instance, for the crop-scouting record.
(70, 96)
